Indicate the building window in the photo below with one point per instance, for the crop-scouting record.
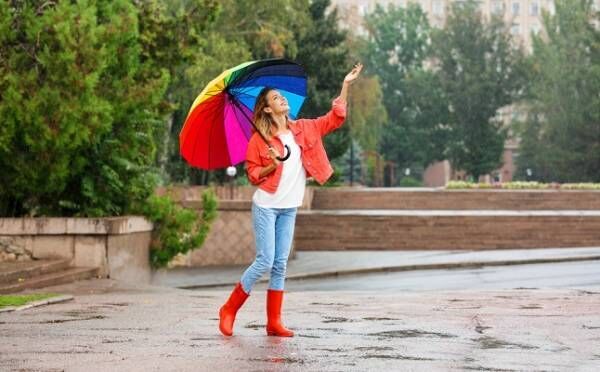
(515, 8)
(535, 9)
(550, 6)
(498, 7)
(438, 7)
(535, 28)
(363, 9)
(515, 114)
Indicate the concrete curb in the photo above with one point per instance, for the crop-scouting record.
(398, 268)
(48, 301)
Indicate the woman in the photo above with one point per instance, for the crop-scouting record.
(281, 186)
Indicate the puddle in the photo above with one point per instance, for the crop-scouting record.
(532, 306)
(282, 360)
(479, 329)
(373, 348)
(588, 292)
(333, 319)
(255, 326)
(85, 312)
(309, 336)
(116, 341)
(408, 333)
(376, 318)
(334, 330)
(55, 321)
(119, 329)
(488, 342)
(488, 369)
(397, 356)
(331, 304)
(338, 350)
(589, 327)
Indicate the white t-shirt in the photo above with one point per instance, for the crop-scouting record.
(290, 192)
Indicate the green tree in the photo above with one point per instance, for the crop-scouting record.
(79, 109)
(561, 138)
(396, 49)
(184, 37)
(367, 115)
(267, 27)
(426, 115)
(325, 56)
(479, 71)
(350, 165)
(238, 31)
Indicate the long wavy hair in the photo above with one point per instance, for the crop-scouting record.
(263, 120)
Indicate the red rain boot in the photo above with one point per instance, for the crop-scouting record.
(274, 326)
(229, 310)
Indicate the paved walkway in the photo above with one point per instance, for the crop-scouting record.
(109, 327)
(308, 264)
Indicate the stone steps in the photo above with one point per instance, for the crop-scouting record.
(11, 271)
(444, 229)
(18, 276)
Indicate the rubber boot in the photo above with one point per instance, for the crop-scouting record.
(229, 310)
(274, 326)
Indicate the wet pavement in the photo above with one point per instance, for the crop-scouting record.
(319, 264)
(112, 327)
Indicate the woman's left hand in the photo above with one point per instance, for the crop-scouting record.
(353, 75)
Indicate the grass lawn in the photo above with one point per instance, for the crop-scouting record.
(18, 300)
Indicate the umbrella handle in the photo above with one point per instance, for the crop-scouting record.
(286, 155)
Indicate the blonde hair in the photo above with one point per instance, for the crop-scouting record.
(263, 120)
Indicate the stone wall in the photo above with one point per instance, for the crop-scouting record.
(396, 219)
(440, 199)
(231, 238)
(117, 246)
(439, 230)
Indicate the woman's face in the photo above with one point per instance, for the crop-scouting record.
(276, 103)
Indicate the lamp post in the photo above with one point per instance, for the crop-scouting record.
(231, 172)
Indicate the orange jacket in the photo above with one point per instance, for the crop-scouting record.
(308, 134)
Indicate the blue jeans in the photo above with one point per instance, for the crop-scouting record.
(273, 233)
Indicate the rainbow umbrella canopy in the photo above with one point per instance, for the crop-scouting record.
(218, 126)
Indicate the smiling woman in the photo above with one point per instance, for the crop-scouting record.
(281, 186)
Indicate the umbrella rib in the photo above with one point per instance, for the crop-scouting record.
(239, 122)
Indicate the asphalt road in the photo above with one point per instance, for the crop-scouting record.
(583, 274)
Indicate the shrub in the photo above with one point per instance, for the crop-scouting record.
(177, 230)
(410, 182)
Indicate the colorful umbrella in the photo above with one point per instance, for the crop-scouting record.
(218, 126)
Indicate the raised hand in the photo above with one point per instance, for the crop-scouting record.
(353, 75)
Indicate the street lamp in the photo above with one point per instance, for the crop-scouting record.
(231, 172)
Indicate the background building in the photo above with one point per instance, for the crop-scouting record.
(522, 17)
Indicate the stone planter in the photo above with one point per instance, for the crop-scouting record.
(117, 246)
